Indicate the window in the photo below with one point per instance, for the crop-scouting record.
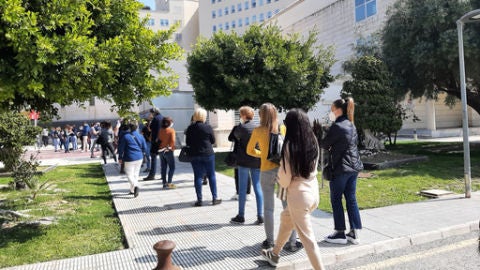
(254, 3)
(276, 11)
(254, 18)
(213, 1)
(269, 15)
(260, 2)
(226, 11)
(227, 26)
(261, 17)
(151, 22)
(214, 14)
(365, 9)
(247, 21)
(219, 12)
(240, 22)
(220, 26)
(164, 22)
(214, 28)
(233, 24)
(246, 5)
(233, 9)
(239, 7)
(269, 1)
(178, 37)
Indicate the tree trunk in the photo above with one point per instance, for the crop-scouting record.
(372, 142)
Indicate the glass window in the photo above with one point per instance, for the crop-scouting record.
(226, 11)
(254, 3)
(254, 18)
(239, 7)
(232, 9)
(240, 22)
(233, 24)
(220, 26)
(214, 14)
(246, 5)
(219, 12)
(269, 1)
(261, 17)
(276, 11)
(269, 14)
(365, 9)
(227, 26)
(247, 21)
(213, 2)
(260, 2)
(151, 22)
(214, 28)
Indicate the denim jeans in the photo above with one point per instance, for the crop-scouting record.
(153, 165)
(167, 159)
(345, 184)
(243, 183)
(56, 143)
(202, 165)
(147, 156)
(267, 180)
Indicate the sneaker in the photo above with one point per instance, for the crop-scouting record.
(259, 220)
(198, 203)
(271, 258)
(249, 197)
(216, 201)
(293, 248)
(165, 186)
(171, 186)
(352, 237)
(266, 244)
(337, 238)
(135, 192)
(237, 220)
(234, 197)
(148, 178)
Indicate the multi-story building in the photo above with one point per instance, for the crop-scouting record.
(343, 24)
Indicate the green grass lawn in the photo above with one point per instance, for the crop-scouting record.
(443, 170)
(80, 199)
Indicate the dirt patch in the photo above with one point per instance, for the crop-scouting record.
(384, 160)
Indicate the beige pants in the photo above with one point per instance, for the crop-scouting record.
(132, 170)
(297, 217)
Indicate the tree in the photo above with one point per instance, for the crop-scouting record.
(377, 111)
(67, 52)
(420, 47)
(15, 132)
(228, 70)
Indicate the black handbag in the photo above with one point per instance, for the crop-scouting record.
(184, 155)
(275, 148)
(231, 158)
(327, 171)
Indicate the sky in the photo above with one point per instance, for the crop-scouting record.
(150, 3)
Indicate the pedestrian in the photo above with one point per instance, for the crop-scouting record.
(85, 132)
(248, 166)
(45, 137)
(155, 126)
(258, 147)
(146, 132)
(167, 146)
(298, 176)
(131, 148)
(73, 137)
(200, 140)
(55, 134)
(341, 142)
(94, 132)
(67, 138)
(105, 139)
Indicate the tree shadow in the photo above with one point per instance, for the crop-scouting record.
(20, 233)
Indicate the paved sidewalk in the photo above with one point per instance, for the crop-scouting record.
(206, 240)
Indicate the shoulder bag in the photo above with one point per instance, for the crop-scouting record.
(184, 155)
(275, 147)
(231, 158)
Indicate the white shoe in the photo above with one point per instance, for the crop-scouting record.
(249, 197)
(234, 197)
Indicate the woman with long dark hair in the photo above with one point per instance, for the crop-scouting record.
(298, 175)
(341, 142)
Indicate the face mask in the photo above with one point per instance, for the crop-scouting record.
(171, 125)
(332, 116)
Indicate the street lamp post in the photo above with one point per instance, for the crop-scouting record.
(470, 17)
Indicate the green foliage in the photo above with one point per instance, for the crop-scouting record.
(228, 70)
(371, 88)
(15, 132)
(420, 47)
(24, 172)
(69, 51)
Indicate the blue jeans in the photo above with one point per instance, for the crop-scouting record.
(345, 184)
(167, 159)
(243, 173)
(56, 143)
(153, 165)
(148, 159)
(202, 165)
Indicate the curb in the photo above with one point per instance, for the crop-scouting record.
(383, 246)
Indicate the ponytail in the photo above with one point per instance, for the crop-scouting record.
(348, 107)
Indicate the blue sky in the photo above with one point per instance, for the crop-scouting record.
(150, 3)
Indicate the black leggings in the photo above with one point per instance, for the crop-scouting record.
(109, 147)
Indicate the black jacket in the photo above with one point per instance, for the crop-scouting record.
(200, 139)
(240, 135)
(341, 141)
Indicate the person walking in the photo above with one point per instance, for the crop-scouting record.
(298, 176)
(105, 139)
(258, 147)
(146, 132)
(200, 140)
(131, 148)
(167, 146)
(94, 132)
(85, 132)
(155, 126)
(341, 142)
(55, 134)
(45, 137)
(248, 166)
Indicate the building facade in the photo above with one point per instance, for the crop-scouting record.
(343, 24)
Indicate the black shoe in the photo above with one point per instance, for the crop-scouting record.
(352, 237)
(298, 245)
(205, 181)
(237, 220)
(135, 192)
(259, 220)
(148, 178)
(198, 203)
(266, 244)
(216, 201)
(337, 238)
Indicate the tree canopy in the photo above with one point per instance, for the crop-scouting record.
(420, 47)
(55, 51)
(229, 70)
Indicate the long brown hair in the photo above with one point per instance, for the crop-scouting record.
(268, 117)
(348, 107)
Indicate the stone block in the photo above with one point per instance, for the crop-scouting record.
(425, 237)
(392, 244)
(455, 230)
(354, 252)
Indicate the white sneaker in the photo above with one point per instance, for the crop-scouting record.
(249, 197)
(337, 238)
(352, 237)
(234, 197)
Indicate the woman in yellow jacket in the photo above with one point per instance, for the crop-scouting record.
(258, 147)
